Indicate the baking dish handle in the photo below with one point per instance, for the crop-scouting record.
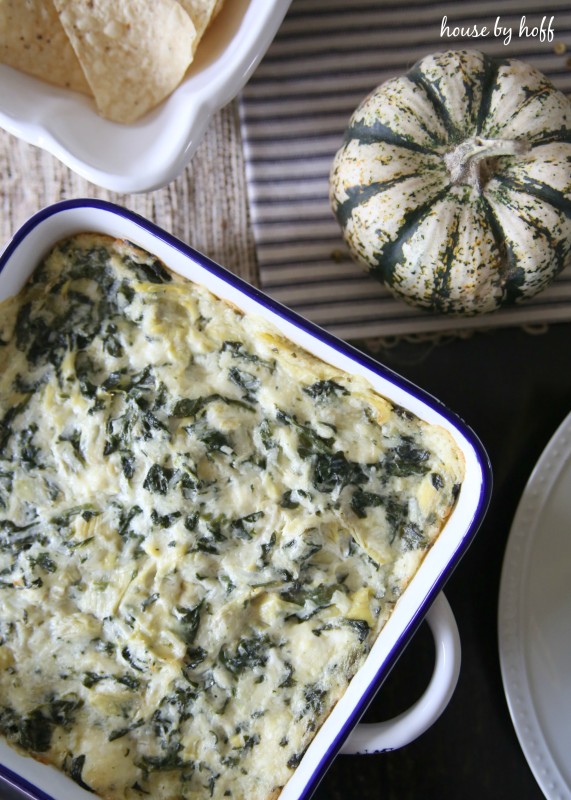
(403, 729)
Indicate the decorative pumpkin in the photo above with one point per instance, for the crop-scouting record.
(453, 184)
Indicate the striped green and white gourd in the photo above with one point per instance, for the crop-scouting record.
(453, 183)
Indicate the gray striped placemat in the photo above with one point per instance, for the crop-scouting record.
(327, 56)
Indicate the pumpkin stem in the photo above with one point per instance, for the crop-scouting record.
(473, 161)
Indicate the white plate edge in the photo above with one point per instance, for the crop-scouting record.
(515, 677)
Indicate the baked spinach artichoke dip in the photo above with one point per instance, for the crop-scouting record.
(203, 529)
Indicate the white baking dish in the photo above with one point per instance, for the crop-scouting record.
(19, 259)
(154, 150)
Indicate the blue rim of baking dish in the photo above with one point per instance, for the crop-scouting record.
(345, 349)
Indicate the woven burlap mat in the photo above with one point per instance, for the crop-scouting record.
(205, 207)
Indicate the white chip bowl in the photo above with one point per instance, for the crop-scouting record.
(154, 150)
(422, 597)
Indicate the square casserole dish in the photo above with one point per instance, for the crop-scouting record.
(36, 238)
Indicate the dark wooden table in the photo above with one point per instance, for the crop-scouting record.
(514, 389)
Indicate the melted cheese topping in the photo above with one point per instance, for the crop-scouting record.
(202, 529)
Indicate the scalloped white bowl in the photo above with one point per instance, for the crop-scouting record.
(153, 151)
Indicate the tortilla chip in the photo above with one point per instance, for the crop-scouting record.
(32, 40)
(201, 12)
(134, 53)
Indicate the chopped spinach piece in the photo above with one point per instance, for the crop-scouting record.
(149, 423)
(152, 271)
(309, 441)
(24, 386)
(86, 512)
(245, 380)
(288, 680)
(103, 646)
(406, 459)
(165, 520)
(249, 653)
(204, 545)
(295, 760)
(266, 433)
(324, 390)
(242, 527)
(148, 601)
(25, 449)
(267, 548)
(111, 341)
(287, 500)
(238, 350)
(333, 471)
(120, 732)
(44, 561)
(170, 760)
(189, 620)
(188, 482)
(194, 657)
(131, 660)
(191, 407)
(34, 731)
(90, 679)
(75, 770)
(157, 479)
(315, 596)
(133, 384)
(62, 710)
(397, 515)
(251, 741)
(47, 333)
(128, 680)
(6, 486)
(128, 464)
(314, 697)
(126, 517)
(216, 441)
(309, 550)
(16, 537)
(191, 521)
(362, 500)
(403, 413)
(360, 626)
(6, 422)
(412, 537)
(74, 439)
(86, 374)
